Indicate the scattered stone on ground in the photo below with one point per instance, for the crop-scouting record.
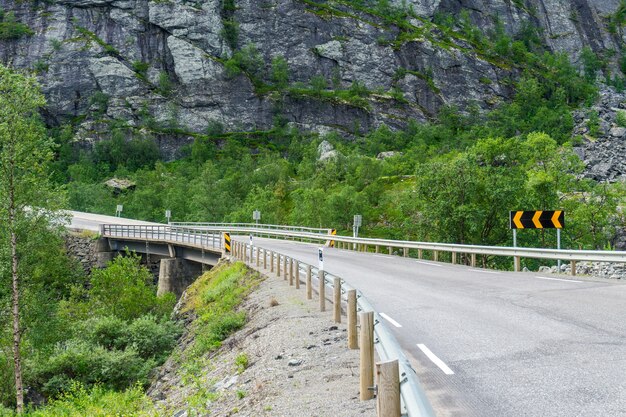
(299, 364)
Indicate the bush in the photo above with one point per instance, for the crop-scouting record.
(153, 338)
(10, 28)
(88, 364)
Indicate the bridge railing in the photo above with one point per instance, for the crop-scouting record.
(208, 239)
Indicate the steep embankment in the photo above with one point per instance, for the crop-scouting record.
(288, 360)
(178, 66)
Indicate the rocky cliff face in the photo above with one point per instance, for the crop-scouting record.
(165, 63)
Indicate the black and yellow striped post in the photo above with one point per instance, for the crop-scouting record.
(227, 249)
(331, 243)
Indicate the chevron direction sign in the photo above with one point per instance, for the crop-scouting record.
(537, 219)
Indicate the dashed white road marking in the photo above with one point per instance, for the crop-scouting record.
(558, 279)
(428, 263)
(390, 320)
(435, 359)
(385, 256)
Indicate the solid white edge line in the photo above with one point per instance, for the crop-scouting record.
(435, 359)
(385, 256)
(558, 279)
(390, 320)
(428, 263)
(485, 272)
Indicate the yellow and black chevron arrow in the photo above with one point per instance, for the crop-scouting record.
(333, 232)
(537, 219)
(227, 242)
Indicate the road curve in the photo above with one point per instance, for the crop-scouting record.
(495, 344)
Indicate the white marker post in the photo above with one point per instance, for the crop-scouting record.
(320, 255)
(168, 215)
(118, 210)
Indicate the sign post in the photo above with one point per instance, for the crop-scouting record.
(256, 216)
(356, 223)
(118, 210)
(538, 219)
(168, 215)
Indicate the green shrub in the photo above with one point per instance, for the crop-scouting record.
(620, 118)
(10, 28)
(153, 338)
(242, 362)
(165, 84)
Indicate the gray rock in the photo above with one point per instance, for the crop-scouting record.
(387, 154)
(326, 151)
(618, 132)
(295, 362)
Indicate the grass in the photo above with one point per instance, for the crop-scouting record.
(214, 298)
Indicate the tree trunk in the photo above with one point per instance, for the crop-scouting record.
(17, 359)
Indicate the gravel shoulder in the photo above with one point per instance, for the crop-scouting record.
(298, 365)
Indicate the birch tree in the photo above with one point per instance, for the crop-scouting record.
(27, 199)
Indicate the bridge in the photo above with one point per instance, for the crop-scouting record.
(482, 342)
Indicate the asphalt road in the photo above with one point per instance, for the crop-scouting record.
(88, 221)
(488, 343)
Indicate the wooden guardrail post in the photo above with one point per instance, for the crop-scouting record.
(377, 248)
(337, 300)
(405, 252)
(285, 270)
(309, 284)
(517, 263)
(264, 258)
(258, 257)
(388, 389)
(278, 264)
(573, 265)
(297, 275)
(251, 254)
(420, 253)
(290, 271)
(271, 261)
(453, 258)
(322, 289)
(352, 333)
(473, 261)
(366, 343)
(390, 250)
(435, 256)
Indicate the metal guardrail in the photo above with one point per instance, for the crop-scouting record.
(537, 253)
(414, 399)
(224, 226)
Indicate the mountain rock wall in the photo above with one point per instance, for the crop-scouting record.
(165, 63)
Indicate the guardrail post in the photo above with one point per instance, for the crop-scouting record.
(258, 257)
(420, 253)
(264, 258)
(366, 339)
(453, 258)
(435, 256)
(322, 289)
(290, 271)
(285, 272)
(252, 254)
(573, 265)
(377, 248)
(297, 275)
(271, 261)
(352, 334)
(516, 263)
(309, 284)
(405, 252)
(388, 392)
(337, 300)
(390, 250)
(278, 264)
(473, 261)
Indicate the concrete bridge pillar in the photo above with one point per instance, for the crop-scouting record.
(104, 254)
(175, 275)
